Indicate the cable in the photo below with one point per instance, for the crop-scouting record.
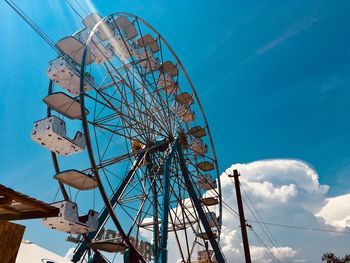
(68, 3)
(32, 24)
(304, 228)
(261, 242)
(82, 7)
(263, 227)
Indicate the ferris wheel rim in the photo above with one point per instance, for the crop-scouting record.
(87, 129)
(197, 99)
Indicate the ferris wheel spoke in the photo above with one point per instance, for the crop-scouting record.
(184, 219)
(142, 126)
(137, 69)
(177, 238)
(124, 100)
(139, 213)
(123, 116)
(147, 83)
(112, 131)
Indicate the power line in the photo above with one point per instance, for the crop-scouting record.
(82, 7)
(267, 250)
(32, 24)
(304, 228)
(264, 227)
(72, 7)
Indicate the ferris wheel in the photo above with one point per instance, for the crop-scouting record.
(124, 119)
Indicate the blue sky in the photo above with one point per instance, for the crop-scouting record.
(273, 77)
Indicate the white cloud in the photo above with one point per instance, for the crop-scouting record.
(336, 212)
(259, 254)
(286, 192)
(268, 191)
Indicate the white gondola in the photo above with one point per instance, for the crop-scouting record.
(205, 236)
(212, 219)
(122, 48)
(149, 65)
(68, 219)
(205, 256)
(185, 113)
(112, 245)
(91, 20)
(205, 166)
(210, 201)
(197, 132)
(188, 116)
(166, 82)
(148, 40)
(63, 72)
(74, 49)
(169, 67)
(143, 53)
(125, 27)
(147, 59)
(184, 98)
(103, 30)
(207, 183)
(100, 52)
(77, 180)
(51, 134)
(198, 146)
(65, 105)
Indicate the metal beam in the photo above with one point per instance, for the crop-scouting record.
(79, 252)
(162, 256)
(218, 254)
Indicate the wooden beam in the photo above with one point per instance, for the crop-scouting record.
(11, 210)
(26, 200)
(17, 206)
(30, 215)
(4, 201)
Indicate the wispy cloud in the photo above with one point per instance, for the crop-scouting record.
(290, 32)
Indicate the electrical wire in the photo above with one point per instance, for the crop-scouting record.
(32, 24)
(267, 250)
(72, 7)
(263, 227)
(303, 227)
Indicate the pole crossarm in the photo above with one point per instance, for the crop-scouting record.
(185, 173)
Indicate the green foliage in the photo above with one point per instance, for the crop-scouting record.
(331, 258)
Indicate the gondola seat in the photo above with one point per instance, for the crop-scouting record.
(68, 219)
(51, 134)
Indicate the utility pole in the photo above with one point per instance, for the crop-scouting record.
(241, 217)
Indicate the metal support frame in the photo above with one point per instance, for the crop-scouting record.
(218, 253)
(150, 168)
(79, 252)
(53, 155)
(136, 256)
(162, 257)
